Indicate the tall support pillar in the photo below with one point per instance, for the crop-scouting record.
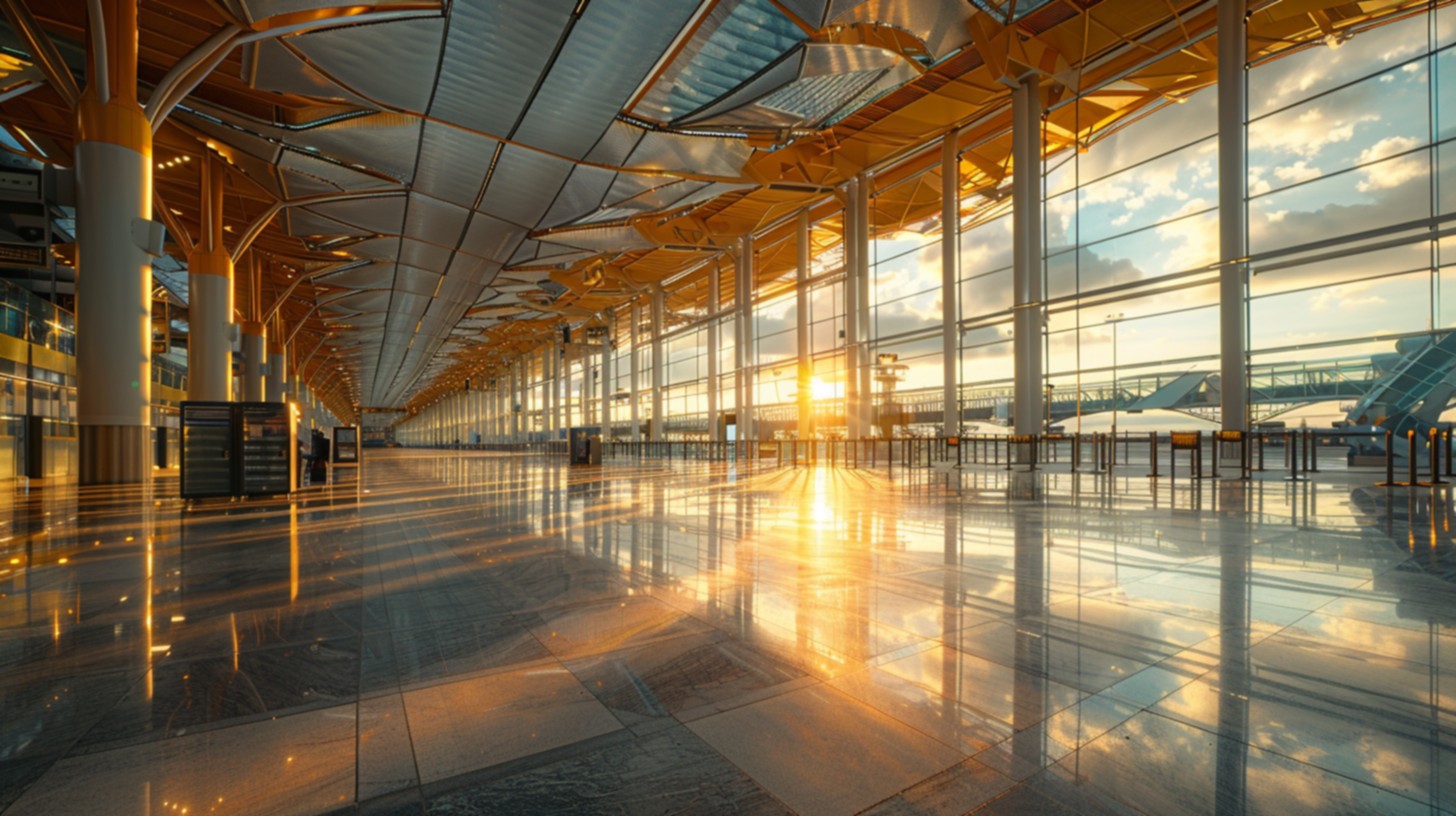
(658, 317)
(801, 327)
(950, 290)
(606, 370)
(1029, 308)
(556, 354)
(851, 309)
(567, 419)
(545, 404)
(1233, 227)
(715, 302)
(113, 160)
(517, 385)
(635, 372)
(255, 337)
(210, 297)
(862, 305)
(276, 381)
(743, 342)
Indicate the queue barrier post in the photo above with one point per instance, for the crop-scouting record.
(1192, 442)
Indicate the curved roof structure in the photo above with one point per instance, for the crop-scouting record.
(431, 187)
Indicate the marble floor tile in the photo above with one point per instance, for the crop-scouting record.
(821, 752)
(473, 724)
(386, 758)
(668, 772)
(672, 676)
(303, 764)
(960, 789)
(484, 632)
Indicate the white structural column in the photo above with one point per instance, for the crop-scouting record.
(255, 344)
(518, 399)
(801, 327)
(851, 310)
(567, 395)
(743, 342)
(1232, 215)
(862, 305)
(950, 290)
(715, 290)
(114, 294)
(210, 297)
(606, 370)
(659, 309)
(544, 407)
(635, 371)
(275, 385)
(1029, 309)
(554, 409)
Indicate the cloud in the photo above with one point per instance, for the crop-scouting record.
(1395, 172)
(1299, 171)
(1345, 297)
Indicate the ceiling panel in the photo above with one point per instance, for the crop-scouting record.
(579, 100)
(495, 50)
(392, 63)
(523, 185)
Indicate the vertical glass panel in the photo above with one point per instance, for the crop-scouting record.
(1161, 189)
(1164, 129)
(986, 294)
(986, 247)
(1372, 307)
(1315, 69)
(1374, 118)
(1386, 192)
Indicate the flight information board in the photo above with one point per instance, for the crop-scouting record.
(207, 449)
(267, 449)
(237, 449)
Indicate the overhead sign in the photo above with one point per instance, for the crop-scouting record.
(161, 327)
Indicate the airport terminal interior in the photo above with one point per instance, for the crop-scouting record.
(727, 406)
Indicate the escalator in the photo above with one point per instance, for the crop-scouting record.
(1410, 395)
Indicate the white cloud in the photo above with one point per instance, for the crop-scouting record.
(1388, 174)
(1299, 171)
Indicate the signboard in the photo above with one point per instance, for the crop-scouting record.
(346, 445)
(237, 449)
(207, 450)
(161, 327)
(1186, 440)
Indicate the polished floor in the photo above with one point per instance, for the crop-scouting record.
(458, 633)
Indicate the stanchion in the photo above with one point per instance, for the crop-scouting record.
(1435, 460)
(1311, 443)
(1410, 455)
(1389, 462)
(1293, 441)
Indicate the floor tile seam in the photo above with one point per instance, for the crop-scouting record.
(1011, 783)
(480, 777)
(69, 750)
(1331, 771)
(80, 737)
(725, 759)
(1032, 790)
(958, 751)
(213, 727)
(1312, 643)
(414, 754)
(546, 659)
(1346, 705)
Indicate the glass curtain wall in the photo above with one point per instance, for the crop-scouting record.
(1351, 207)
